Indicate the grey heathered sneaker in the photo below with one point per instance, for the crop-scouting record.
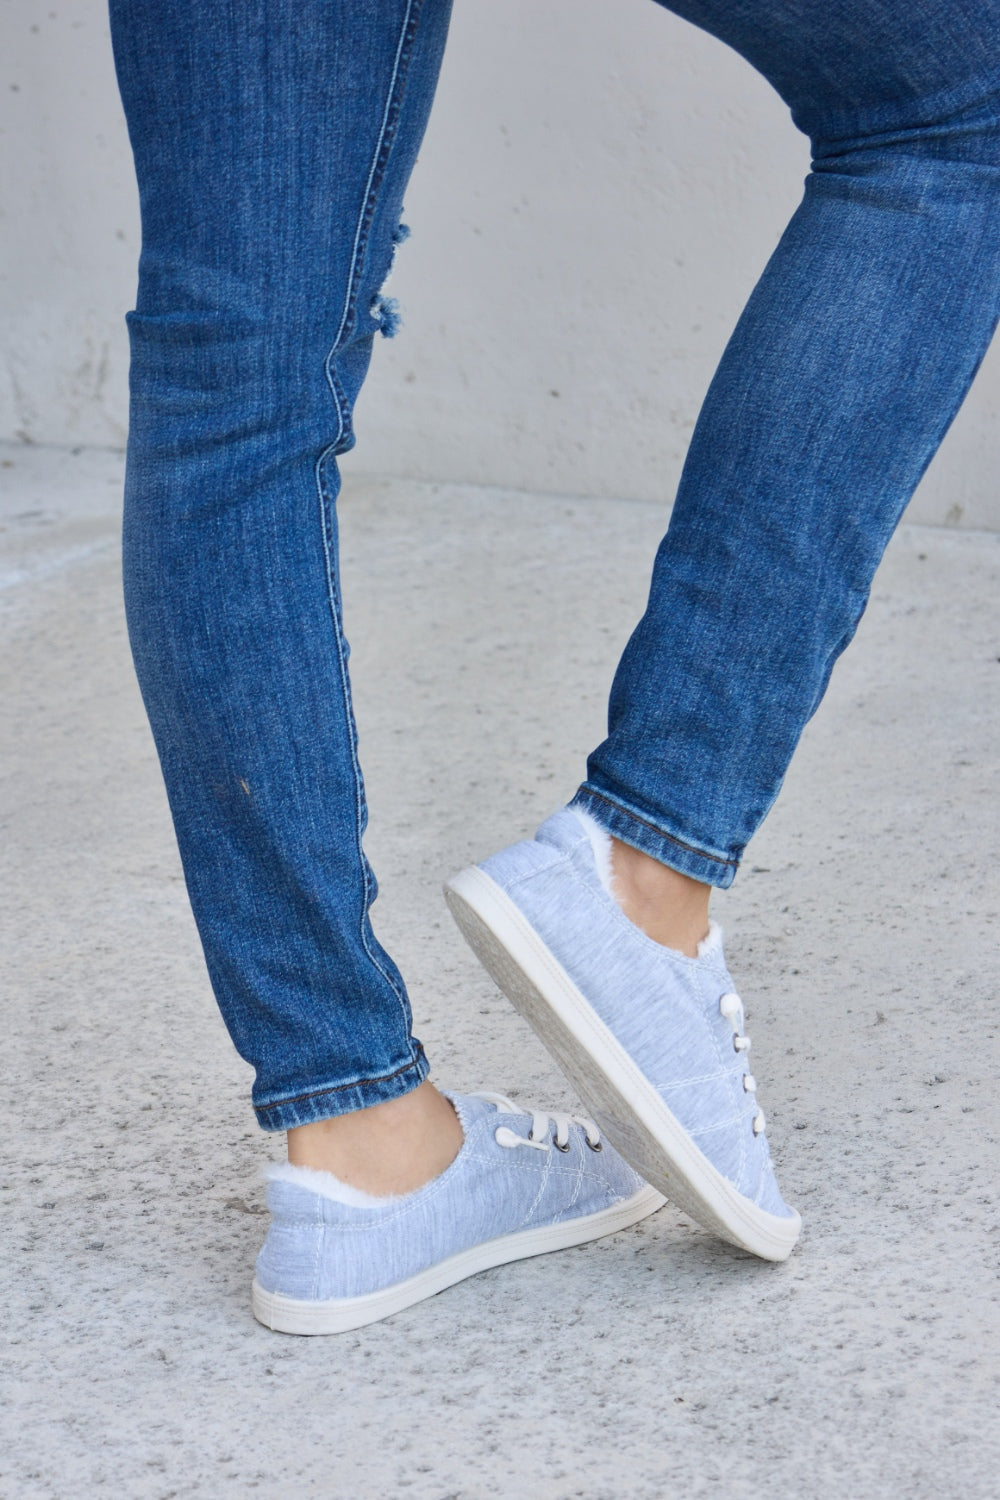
(653, 1040)
(522, 1184)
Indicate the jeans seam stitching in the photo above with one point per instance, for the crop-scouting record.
(376, 174)
(716, 859)
(338, 1088)
(359, 796)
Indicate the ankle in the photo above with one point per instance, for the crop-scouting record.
(667, 906)
(384, 1150)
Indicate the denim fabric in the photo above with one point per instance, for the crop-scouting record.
(273, 144)
(317, 1248)
(677, 1035)
(847, 367)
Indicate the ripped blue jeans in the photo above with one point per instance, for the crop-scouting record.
(273, 145)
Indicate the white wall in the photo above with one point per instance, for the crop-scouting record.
(599, 188)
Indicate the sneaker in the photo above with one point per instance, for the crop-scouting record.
(652, 1040)
(523, 1183)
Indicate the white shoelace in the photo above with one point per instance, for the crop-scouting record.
(731, 1006)
(540, 1136)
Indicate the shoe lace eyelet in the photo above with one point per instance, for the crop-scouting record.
(595, 1145)
(539, 1137)
(731, 1008)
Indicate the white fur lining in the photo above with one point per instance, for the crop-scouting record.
(711, 942)
(325, 1185)
(600, 842)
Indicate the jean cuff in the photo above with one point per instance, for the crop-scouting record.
(341, 1099)
(636, 828)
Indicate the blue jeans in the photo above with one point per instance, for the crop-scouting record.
(273, 144)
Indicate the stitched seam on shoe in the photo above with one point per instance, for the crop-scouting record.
(541, 1188)
(527, 1166)
(681, 1083)
(580, 1176)
(720, 1124)
(558, 856)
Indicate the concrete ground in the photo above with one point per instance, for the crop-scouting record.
(863, 933)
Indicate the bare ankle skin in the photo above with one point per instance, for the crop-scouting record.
(390, 1148)
(670, 908)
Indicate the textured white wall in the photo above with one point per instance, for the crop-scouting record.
(68, 226)
(599, 187)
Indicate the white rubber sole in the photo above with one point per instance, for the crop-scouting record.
(616, 1091)
(339, 1315)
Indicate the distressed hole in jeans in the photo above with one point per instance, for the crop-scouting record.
(385, 311)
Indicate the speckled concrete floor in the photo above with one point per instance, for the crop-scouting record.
(654, 1364)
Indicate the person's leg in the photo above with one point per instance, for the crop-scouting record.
(842, 377)
(272, 149)
(844, 373)
(273, 144)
